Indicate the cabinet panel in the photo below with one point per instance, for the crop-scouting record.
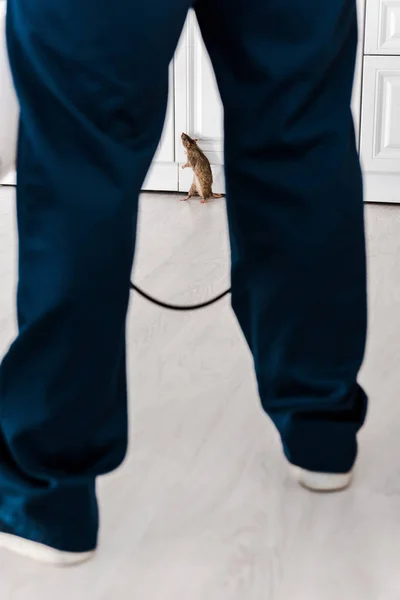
(380, 128)
(382, 34)
(163, 173)
(166, 148)
(380, 136)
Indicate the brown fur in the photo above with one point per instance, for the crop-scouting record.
(198, 161)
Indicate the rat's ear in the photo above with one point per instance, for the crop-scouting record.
(195, 139)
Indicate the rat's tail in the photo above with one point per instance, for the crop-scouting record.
(217, 196)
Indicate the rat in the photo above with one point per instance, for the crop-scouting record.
(203, 179)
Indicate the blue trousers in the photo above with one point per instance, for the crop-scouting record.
(91, 79)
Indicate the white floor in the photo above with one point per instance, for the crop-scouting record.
(203, 508)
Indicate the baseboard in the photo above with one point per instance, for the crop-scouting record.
(9, 179)
(382, 188)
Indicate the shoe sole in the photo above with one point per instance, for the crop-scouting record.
(41, 552)
(321, 482)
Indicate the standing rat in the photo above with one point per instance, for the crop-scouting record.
(203, 179)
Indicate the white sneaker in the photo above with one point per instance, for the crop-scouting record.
(321, 482)
(41, 552)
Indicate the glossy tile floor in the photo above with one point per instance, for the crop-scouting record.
(203, 508)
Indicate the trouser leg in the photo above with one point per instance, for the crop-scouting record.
(91, 79)
(294, 196)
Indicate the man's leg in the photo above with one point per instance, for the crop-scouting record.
(294, 196)
(91, 78)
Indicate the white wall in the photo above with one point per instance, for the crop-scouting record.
(8, 105)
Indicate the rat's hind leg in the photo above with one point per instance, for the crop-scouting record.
(192, 192)
(205, 194)
(204, 189)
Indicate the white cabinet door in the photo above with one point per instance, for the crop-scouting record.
(198, 107)
(163, 173)
(380, 128)
(382, 33)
